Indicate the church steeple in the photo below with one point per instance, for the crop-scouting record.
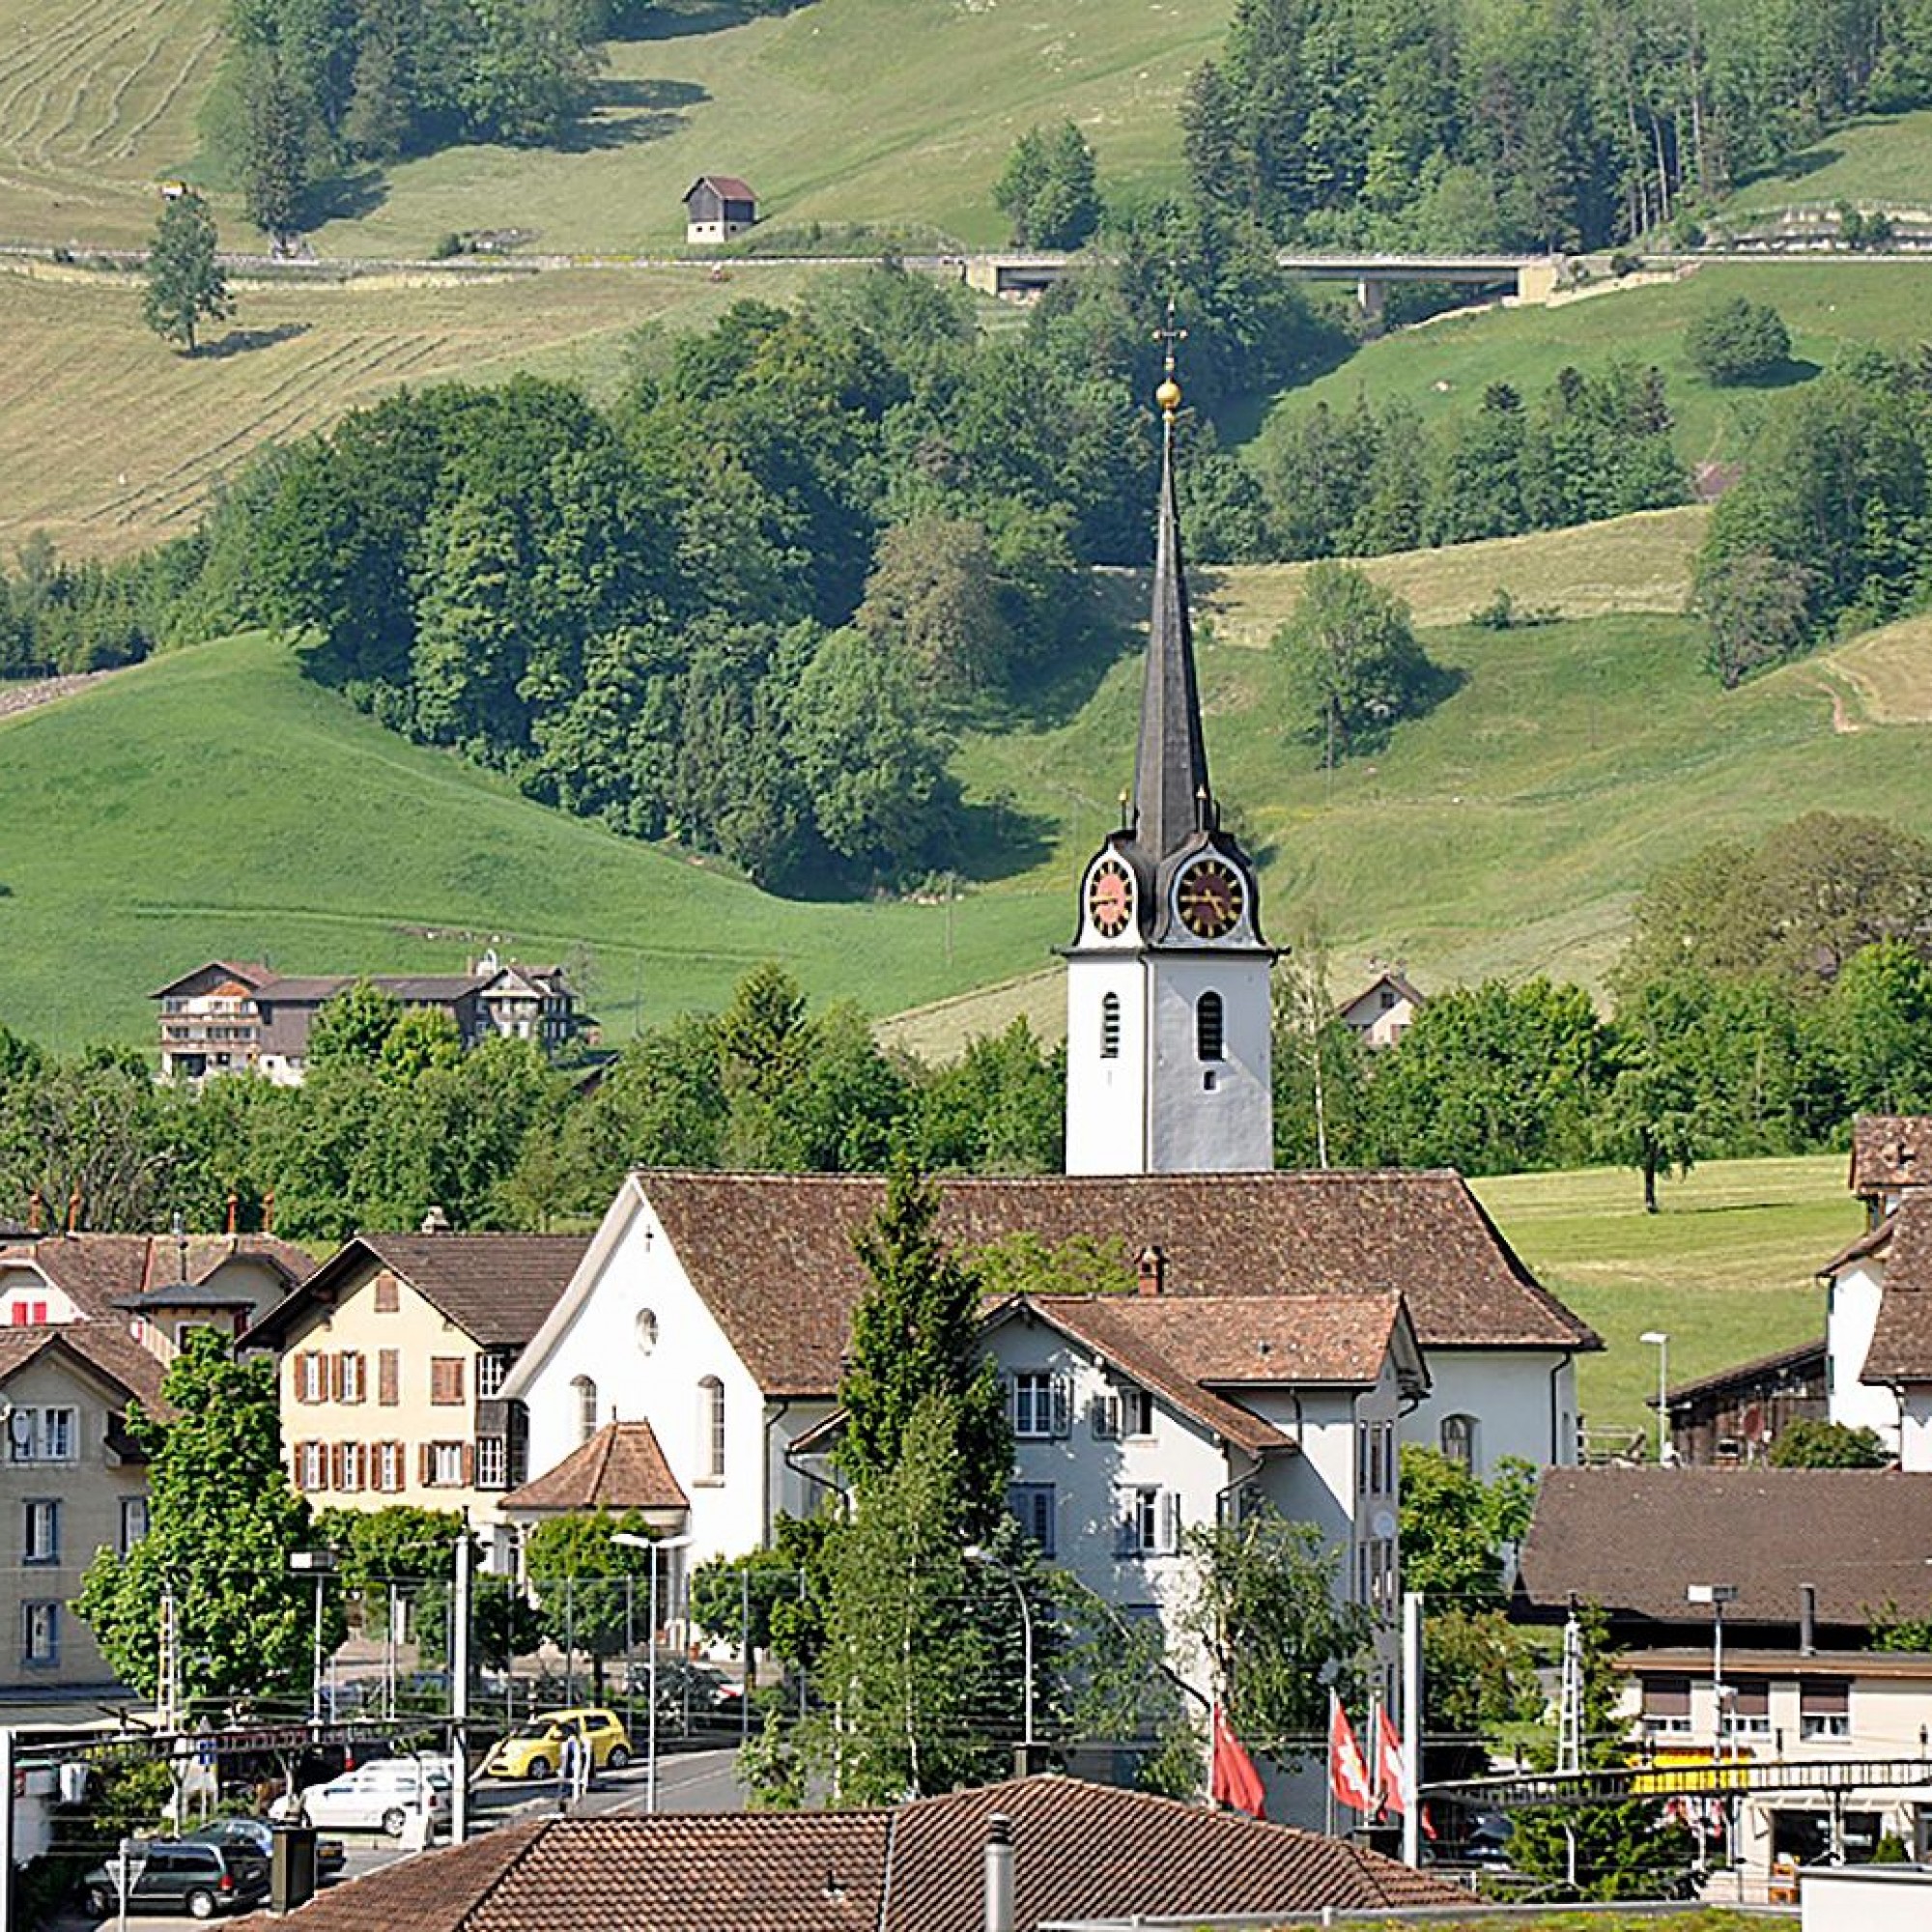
(1172, 797)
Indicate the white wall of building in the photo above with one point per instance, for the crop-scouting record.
(1214, 1117)
(1851, 1313)
(1106, 1099)
(1524, 1401)
(1914, 1428)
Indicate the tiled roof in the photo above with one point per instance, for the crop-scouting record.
(729, 185)
(247, 971)
(102, 1272)
(621, 1467)
(1080, 1850)
(427, 989)
(1891, 1150)
(105, 1345)
(1901, 1343)
(496, 1288)
(1632, 1540)
(772, 1254)
(1884, 1666)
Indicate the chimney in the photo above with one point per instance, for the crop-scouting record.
(233, 1203)
(999, 1873)
(1152, 1270)
(435, 1222)
(74, 1212)
(1807, 1619)
(269, 1213)
(37, 1208)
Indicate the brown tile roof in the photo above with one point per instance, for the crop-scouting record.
(424, 988)
(105, 1346)
(1080, 1850)
(1797, 1364)
(98, 1272)
(1891, 1150)
(249, 973)
(621, 1467)
(1631, 1540)
(496, 1288)
(1901, 1343)
(727, 185)
(772, 1254)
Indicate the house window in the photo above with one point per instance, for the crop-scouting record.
(389, 1377)
(389, 1297)
(1149, 1524)
(41, 1541)
(40, 1635)
(1043, 1403)
(1824, 1709)
(1209, 1028)
(1105, 1411)
(133, 1521)
(1386, 999)
(490, 1373)
(1137, 1412)
(351, 1465)
(585, 1391)
(445, 1378)
(492, 1466)
(1110, 1026)
(311, 1466)
(42, 1436)
(388, 1468)
(711, 1421)
(1458, 1440)
(1032, 1507)
(1361, 1458)
(27, 1313)
(311, 1376)
(1751, 1710)
(443, 1465)
(351, 1377)
(1666, 1705)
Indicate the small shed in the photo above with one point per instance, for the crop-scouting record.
(716, 208)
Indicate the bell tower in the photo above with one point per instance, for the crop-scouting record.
(1167, 1061)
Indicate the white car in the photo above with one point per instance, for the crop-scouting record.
(381, 1795)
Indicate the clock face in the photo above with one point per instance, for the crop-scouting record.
(1110, 898)
(1210, 899)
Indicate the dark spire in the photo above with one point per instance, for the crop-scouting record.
(1172, 797)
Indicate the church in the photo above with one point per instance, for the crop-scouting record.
(1287, 1332)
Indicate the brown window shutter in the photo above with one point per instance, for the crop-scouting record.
(428, 1462)
(297, 1458)
(303, 1361)
(389, 1378)
(468, 1466)
(335, 1464)
(331, 1376)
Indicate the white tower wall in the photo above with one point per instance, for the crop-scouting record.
(1106, 1098)
(1209, 1116)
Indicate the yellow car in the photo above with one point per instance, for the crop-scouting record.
(535, 1749)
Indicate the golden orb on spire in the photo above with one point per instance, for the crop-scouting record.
(1168, 396)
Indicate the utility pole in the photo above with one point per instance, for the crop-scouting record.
(459, 1702)
(1570, 1705)
(5, 1828)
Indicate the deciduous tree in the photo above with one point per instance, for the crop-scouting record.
(185, 279)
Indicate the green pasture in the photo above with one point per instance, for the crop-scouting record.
(1727, 1269)
(1881, 159)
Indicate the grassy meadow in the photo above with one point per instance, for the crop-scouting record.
(1725, 1267)
(1883, 159)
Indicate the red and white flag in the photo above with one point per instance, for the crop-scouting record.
(1347, 1770)
(1235, 1780)
(1392, 1771)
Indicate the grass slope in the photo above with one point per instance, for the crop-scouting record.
(1727, 1269)
(1448, 364)
(211, 803)
(1878, 158)
(110, 441)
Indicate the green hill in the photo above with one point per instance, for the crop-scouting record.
(211, 802)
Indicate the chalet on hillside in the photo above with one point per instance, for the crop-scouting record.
(718, 209)
(1383, 1010)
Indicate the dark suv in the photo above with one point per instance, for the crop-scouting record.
(173, 1875)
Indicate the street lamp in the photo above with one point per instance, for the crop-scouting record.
(1661, 1342)
(1717, 1595)
(321, 1565)
(973, 1553)
(626, 1540)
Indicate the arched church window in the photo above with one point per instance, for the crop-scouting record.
(1210, 1036)
(711, 1424)
(585, 1391)
(1110, 1026)
(1458, 1440)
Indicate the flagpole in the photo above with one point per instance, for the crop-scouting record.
(1333, 1700)
(1412, 1726)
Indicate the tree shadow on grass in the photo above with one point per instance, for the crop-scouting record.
(681, 19)
(239, 341)
(346, 197)
(997, 839)
(1786, 376)
(625, 113)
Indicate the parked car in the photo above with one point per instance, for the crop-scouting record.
(173, 1875)
(693, 1692)
(250, 1835)
(535, 1749)
(379, 1797)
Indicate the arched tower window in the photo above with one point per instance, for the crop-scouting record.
(1209, 1028)
(1458, 1440)
(585, 1391)
(711, 1421)
(1110, 1026)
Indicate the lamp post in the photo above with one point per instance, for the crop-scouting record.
(1717, 1595)
(321, 1565)
(1661, 1342)
(973, 1553)
(625, 1540)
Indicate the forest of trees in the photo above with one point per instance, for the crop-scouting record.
(1554, 124)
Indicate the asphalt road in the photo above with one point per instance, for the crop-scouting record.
(687, 1781)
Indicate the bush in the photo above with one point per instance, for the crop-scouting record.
(1739, 341)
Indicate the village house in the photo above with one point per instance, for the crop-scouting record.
(1383, 1010)
(88, 1323)
(391, 1361)
(718, 209)
(1016, 1856)
(1734, 1416)
(244, 1018)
